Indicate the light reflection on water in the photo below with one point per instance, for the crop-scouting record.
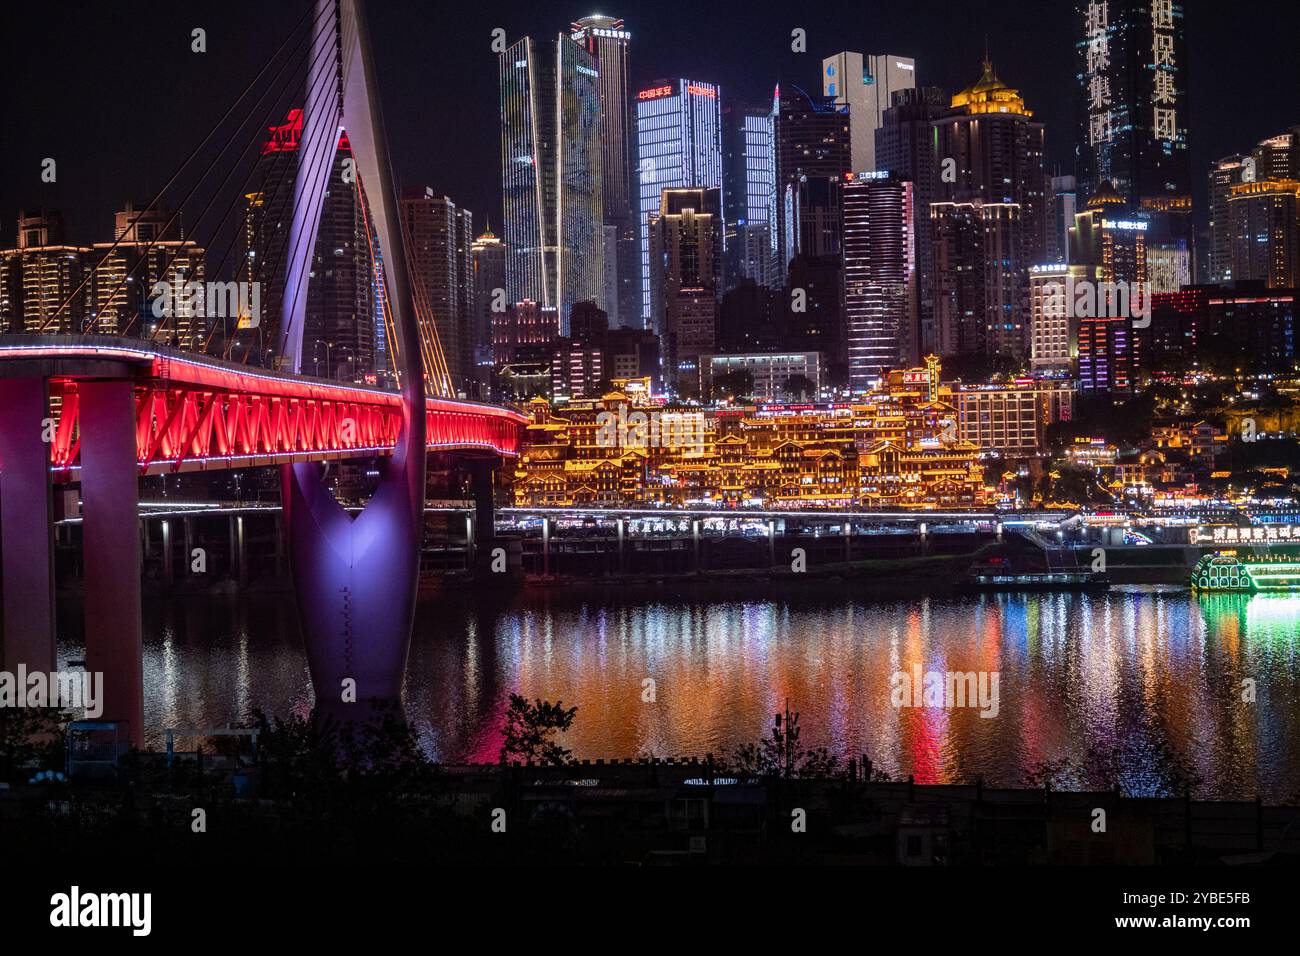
(1139, 669)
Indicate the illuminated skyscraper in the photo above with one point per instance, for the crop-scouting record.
(679, 146)
(1108, 248)
(551, 174)
(606, 39)
(488, 260)
(750, 194)
(342, 337)
(865, 84)
(813, 152)
(438, 239)
(686, 250)
(879, 250)
(39, 275)
(150, 248)
(997, 180)
(1132, 73)
(1264, 219)
(905, 144)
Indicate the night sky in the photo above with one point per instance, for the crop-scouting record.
(113, 92)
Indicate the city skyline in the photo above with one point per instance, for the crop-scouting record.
(945, 42)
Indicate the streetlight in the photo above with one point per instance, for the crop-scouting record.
(328, 346)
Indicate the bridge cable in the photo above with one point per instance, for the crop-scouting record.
(198, 149)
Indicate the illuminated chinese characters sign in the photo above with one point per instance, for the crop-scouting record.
(1164, 96)
(1096, 25)
(1219, 534)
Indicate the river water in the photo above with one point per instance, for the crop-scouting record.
(1144, 673)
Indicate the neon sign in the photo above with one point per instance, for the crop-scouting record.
(695, 90)
(655, 93)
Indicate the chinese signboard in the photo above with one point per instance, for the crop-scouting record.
(1164, 96)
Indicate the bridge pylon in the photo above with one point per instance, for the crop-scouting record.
(355, 579)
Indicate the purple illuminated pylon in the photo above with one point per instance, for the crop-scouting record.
(355, 578)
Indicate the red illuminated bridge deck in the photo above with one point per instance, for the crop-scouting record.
(195, 413)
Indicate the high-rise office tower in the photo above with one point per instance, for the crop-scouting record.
(679, 146)
(1264, 218)
(1053, 329)
(151, 248)
(551, 174)
(40, 275)
(439, 239)
(488, 260)
(343, 336)
(1062, 204)
(339, 335)
(607, 39)
(866, 85)
(981, 289)
(813, 152)
(1108, 247)
(749, 196)
(996, 152)
(1132, 70)
(905, 145)
(267, 211)
(997, 148)
(1224, 174)
(1278, 157)
(879, 253)
(686, 249)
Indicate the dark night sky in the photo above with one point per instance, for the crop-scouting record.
(112, 91)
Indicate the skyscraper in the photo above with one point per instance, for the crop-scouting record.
(551, 174)
(488, 260)
(813, 152)
(879, 252)
(1062, 203)
(343, 334)
(996, 149)
(606, 40)
(866, 84)
(749, 195)
(981, 290)
(905, 144)
(150, 248)
(339, 333)
(679, 145)
(1108, 247)
(1132, 73)
(686, 250)
(1264, 218)
(438, 243)
(39, 275)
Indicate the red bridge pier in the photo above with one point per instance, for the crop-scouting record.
(111, 548)
(26, 526)
(111, 538)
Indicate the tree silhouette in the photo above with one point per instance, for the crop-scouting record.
(530, 730)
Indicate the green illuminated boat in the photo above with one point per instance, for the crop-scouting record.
(1250, 573)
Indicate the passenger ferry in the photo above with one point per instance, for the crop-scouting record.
(1248, 573)
(999, 574)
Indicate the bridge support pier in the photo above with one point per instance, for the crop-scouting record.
(26, 526)
(111, 544)
(169, 575)
(481, 528)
